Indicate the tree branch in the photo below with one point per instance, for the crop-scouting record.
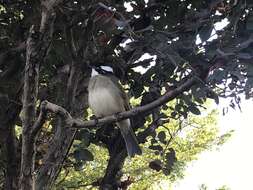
(37, 46)
(77, 123)
(75, 103)
(40, 121)
(170, 95)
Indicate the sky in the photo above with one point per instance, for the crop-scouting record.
(232, 164)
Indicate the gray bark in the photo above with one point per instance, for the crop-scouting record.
(76, 103)
(36, 50)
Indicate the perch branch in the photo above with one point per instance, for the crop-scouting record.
(77, 123)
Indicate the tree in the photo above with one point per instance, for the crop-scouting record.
(48, 46)
(204, 187)
(224, 187)
(152, 168)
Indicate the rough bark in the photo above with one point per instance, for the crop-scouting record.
(118, 154)
(10, 106)
(29, 112)
(76, 104)
(112, 176)
(12, 158)
(36, 49)
(48, 173)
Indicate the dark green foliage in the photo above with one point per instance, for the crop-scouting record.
(83, 155)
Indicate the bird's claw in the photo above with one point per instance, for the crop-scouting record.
(95, 118)
(117, 116)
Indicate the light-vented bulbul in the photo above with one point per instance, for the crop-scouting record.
(107, 97)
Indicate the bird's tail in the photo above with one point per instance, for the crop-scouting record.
(131, 142)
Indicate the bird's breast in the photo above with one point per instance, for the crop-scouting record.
(104, 102)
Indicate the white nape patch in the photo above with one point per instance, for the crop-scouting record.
(107, 68)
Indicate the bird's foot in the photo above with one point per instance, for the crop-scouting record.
(118, 116)
(95, 118)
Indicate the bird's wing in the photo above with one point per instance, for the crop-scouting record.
(121, 92)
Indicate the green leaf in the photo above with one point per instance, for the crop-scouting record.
(178, 107)
(155, 165)
(173, 114)
(193, 109)
(225, 137)
(137, 90)
(232, 85)
(153, 141)
(84, 136)
(78, 166)
(156, 147)
(161, 136)
(170, 158)
(166, 171)
(218, 76)
(83, 155)
(205, 32)
(211, 94)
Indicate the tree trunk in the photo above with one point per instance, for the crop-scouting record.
(11, 178)
(118, 154)
(111, 179)
(75, 102)
(9, 142)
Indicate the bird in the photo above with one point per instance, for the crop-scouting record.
(107, 97)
